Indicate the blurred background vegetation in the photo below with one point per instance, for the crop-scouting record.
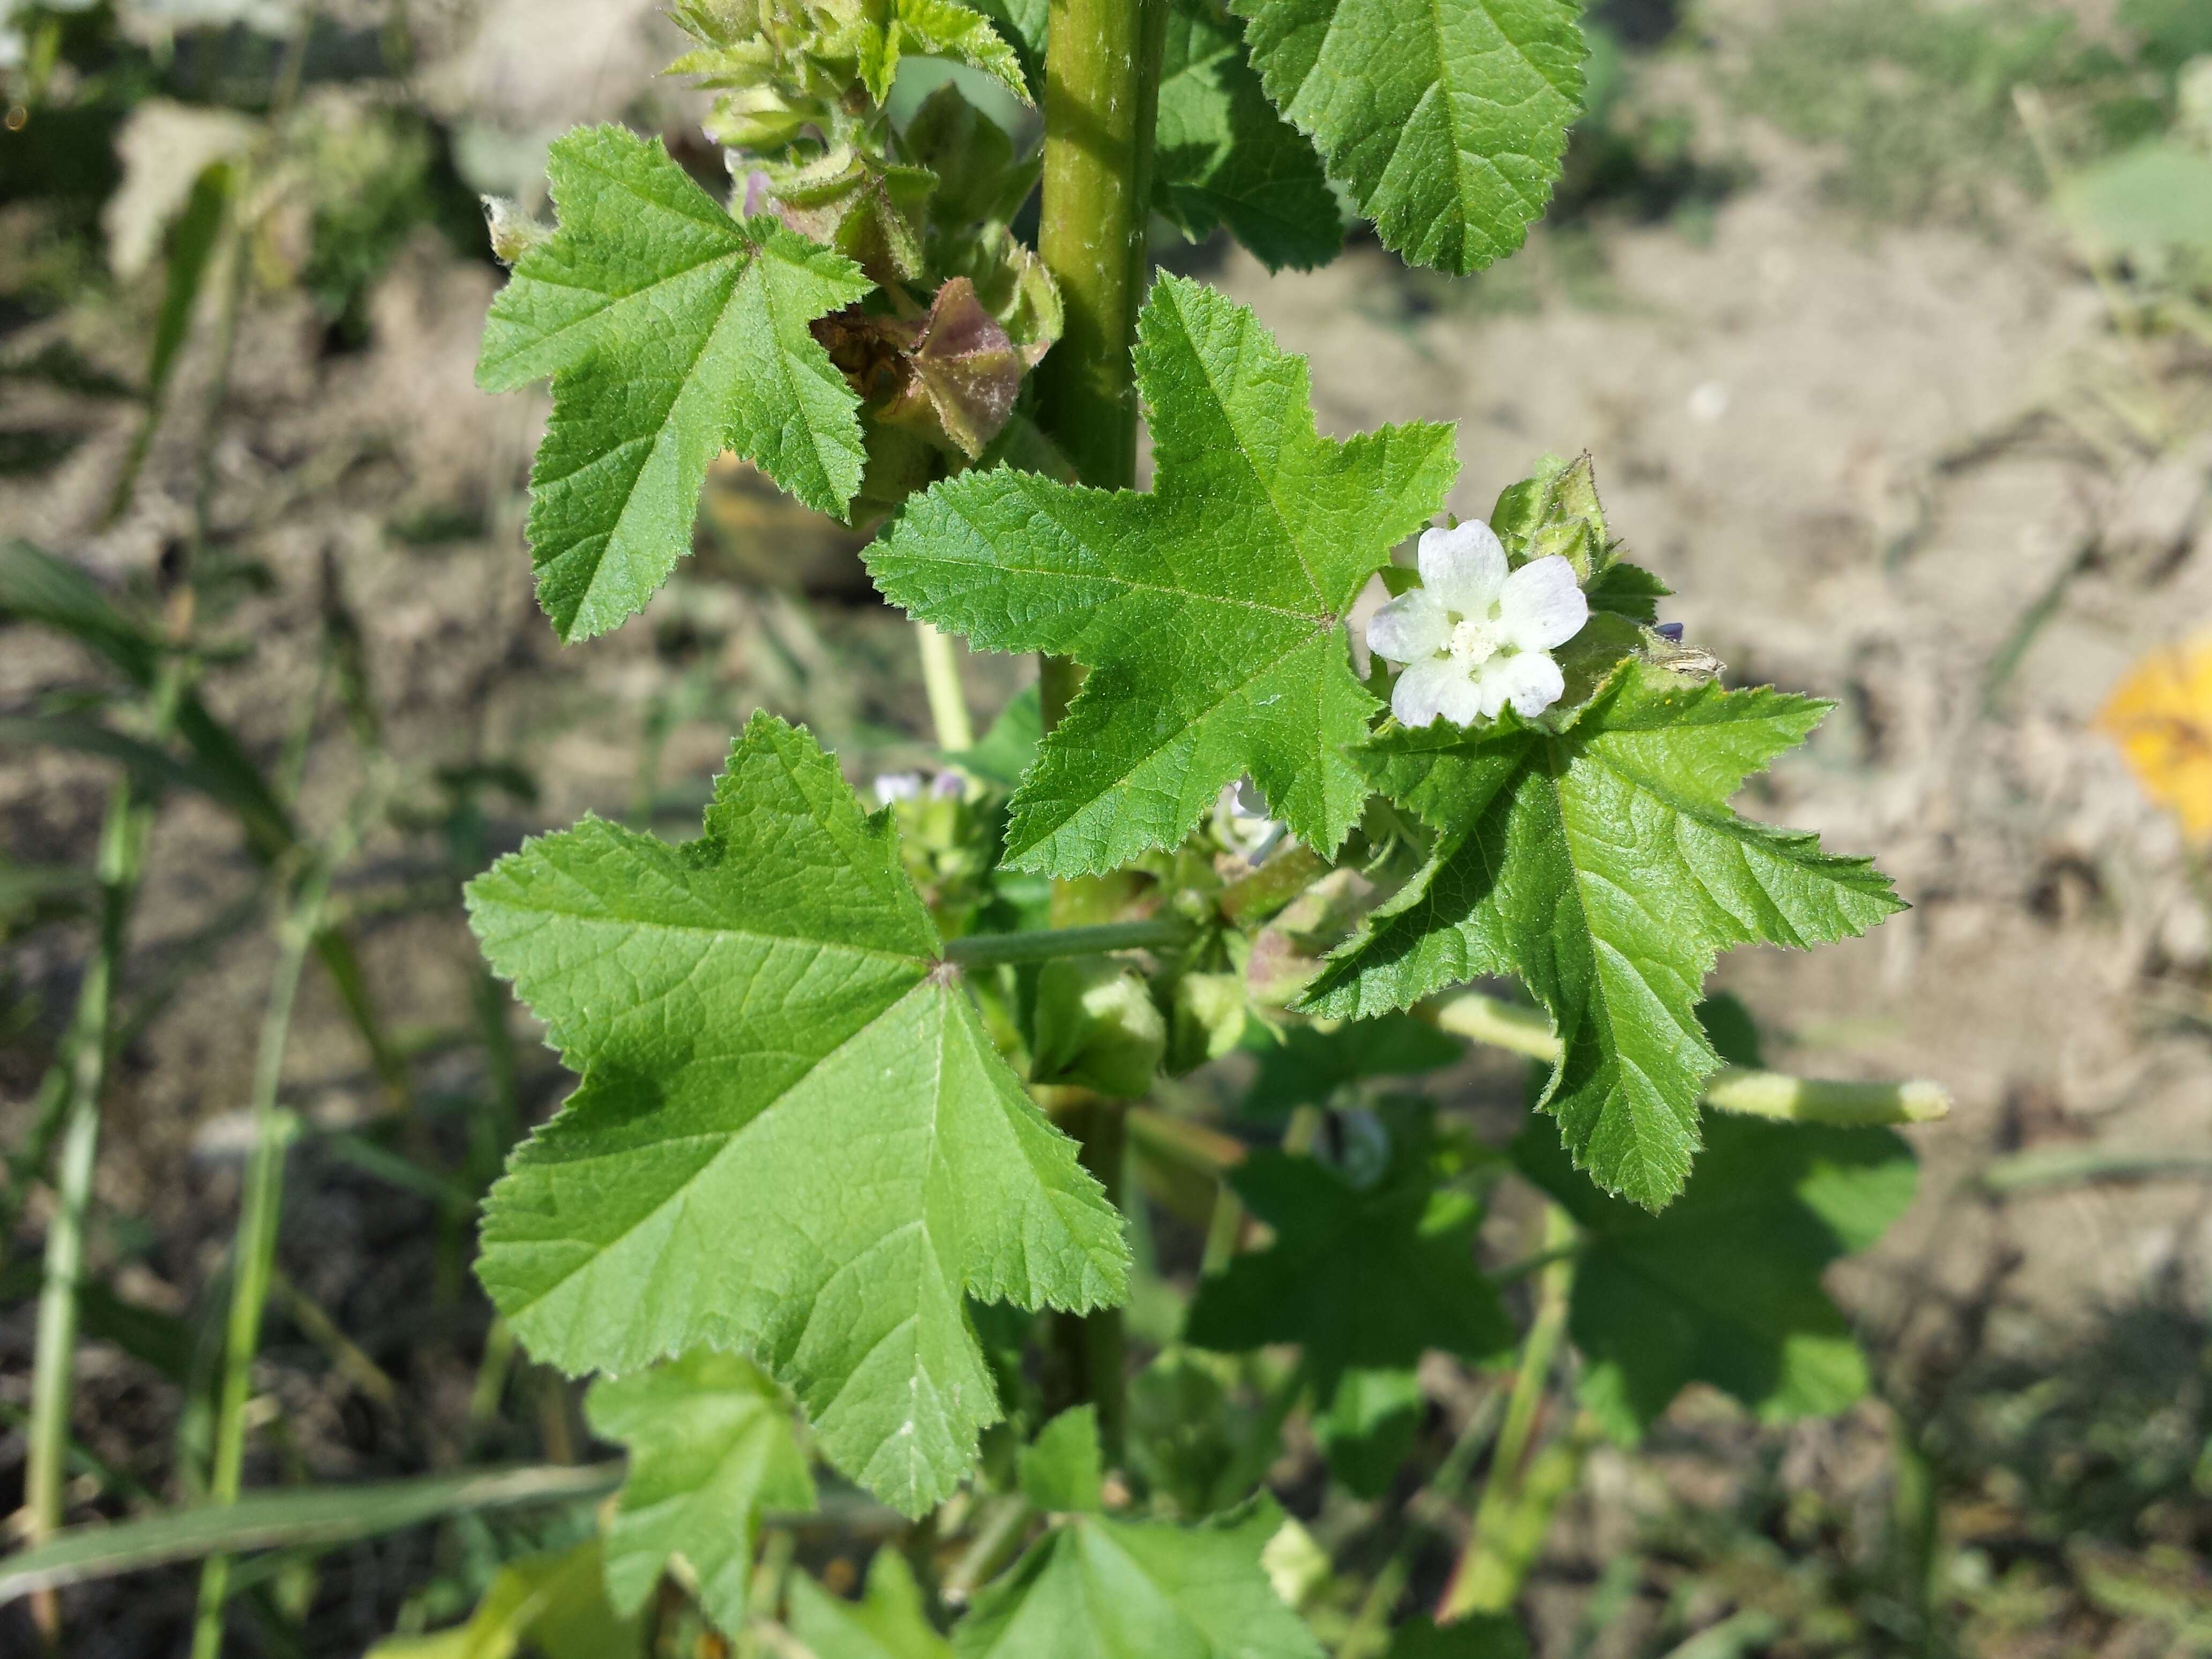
(1890, 325)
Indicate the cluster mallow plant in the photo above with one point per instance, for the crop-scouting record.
(870, 1144)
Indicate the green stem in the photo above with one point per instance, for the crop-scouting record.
(1101, 99)
(83, 1075)
(993, 949)
(254, 1250)
(1102, 78)
(122, 838)
(1370, 1629)
(1488, 1575)
(940, 679)
(1083, 1362)
(1772, 1095)
(1102, 94)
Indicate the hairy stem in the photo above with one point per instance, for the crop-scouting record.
(1102, 94)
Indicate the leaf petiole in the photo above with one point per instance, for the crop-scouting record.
(993, 950)
(1772, 1095)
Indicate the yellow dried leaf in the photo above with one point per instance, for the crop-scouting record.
(2161, 715)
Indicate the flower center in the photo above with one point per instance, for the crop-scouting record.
(1475, 640)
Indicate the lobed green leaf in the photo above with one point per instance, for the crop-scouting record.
(710, 1445)
(1445, 119)
(1222, 156)
(1363, 1279)
(1098, 1588)
(1210, 610)
(672, 331)
(1603, 866)
(1723, 1286)
(792, 1137)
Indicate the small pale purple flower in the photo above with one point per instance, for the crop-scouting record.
(1476, 636)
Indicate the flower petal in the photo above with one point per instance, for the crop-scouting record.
(1434, 686)
(1529, 680)
(1541, 605)
(1410, 627)
(1464, 566)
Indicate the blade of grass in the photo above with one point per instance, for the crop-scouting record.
(253, 1252)
(83, 1067)
(299, 1517)
(192, 245)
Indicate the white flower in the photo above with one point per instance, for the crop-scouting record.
(1474, 638)
(897, 785)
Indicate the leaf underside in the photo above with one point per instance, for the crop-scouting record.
(672, 331)
(1605, 867)
(792, 1137)
(1209, 610)
(1445, 119)
(1222, 156)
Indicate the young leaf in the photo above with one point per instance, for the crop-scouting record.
(888, 1622)
(672, 333)
(792, 1137)
(1723, 1286)
(1445, 119)
(1603, 866)
(1101, 1588)
(1021, 24)
(554, 1603)
(710, 1447)
(1363, 1278)
(1308, 1065)
(1210, 610)
(1062, 1470)
(938, 28)
(1222, 156)
(1199, 1450)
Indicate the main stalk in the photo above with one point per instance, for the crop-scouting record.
(1101, 98)
(1101, 86)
